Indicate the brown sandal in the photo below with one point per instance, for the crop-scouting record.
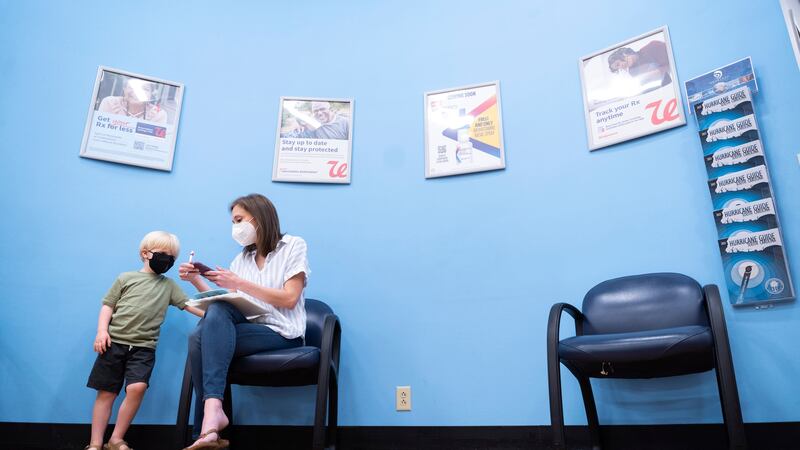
(117, 446)
(93, 447)
(219, 444)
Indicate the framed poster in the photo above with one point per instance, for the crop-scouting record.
(133, 119)
(791, 14)
(463, 130)
(630, 90)
(314, 140)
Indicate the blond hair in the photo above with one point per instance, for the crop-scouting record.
(161, 239)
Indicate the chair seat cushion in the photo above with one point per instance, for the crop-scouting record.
(640, 354)
(297, 366)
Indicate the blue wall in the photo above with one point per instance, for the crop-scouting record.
(442, 284)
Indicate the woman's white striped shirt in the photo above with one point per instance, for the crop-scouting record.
(287, 260)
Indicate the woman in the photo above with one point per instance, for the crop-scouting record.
(272, 269)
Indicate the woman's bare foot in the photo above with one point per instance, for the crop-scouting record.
(214, 418)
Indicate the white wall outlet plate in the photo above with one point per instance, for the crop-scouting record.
(403, 398)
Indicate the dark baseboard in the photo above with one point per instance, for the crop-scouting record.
(760, 436)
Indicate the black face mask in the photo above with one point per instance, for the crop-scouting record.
(161, 262)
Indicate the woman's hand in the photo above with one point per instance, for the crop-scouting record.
(224, 278)
(102, 341)
(188, 272)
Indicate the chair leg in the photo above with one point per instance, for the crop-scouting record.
(731, 409)
(184, 405)
(726, 378)
(227, 408)
(556, 404)
(591, 412)
(333, 410)
(318, 442)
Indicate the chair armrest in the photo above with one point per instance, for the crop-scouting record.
(554, 364)
(554, 322)
(331, 343)
(554, 325)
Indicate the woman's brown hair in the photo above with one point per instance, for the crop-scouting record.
(268, 227)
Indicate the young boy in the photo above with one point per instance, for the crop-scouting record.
(127, 332)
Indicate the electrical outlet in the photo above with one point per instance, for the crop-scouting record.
(403, 398)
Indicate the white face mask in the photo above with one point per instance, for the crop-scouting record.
(244, 233)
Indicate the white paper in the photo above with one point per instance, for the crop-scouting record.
(247, 307)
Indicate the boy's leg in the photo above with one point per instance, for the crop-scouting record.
(127, 410)
(100, 415)
(106, 378)
(138, 367)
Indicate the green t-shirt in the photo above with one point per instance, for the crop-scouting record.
(140, 303)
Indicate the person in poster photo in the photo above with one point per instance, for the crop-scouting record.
(651, 61)
(135, 102)
(327, 123)
(333, 125)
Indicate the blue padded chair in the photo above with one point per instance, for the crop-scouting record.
(643, 326)
(315, 363)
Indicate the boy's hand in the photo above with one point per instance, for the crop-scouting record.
(196, 311)
(102, 342)
(188, 272)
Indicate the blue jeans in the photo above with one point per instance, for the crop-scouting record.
(223, 334)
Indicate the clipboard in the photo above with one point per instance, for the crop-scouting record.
(250, 308)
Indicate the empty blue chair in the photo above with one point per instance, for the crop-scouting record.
(642, 326)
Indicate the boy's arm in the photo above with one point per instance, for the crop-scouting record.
(196, 311)
(178, 298)
(102, 341)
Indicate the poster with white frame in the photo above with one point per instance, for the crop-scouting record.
(463, 130)
(133, 119)
(314, 140)
(631, 90)
(791, 14)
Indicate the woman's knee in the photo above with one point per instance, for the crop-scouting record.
(219, 310)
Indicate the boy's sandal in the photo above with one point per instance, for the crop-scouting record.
(93, 447)
(219, 444)
(117, 446)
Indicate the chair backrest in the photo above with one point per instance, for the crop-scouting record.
(644, 302)
(315, 321)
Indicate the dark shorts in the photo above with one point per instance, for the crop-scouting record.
(121, 363)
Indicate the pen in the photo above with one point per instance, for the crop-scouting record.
(191, 255)
(745, 281)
